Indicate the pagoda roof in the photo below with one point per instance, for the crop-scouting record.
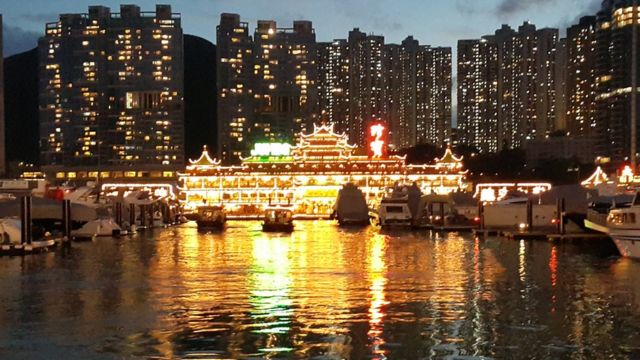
(449, 157)
(322, 130)
(598, 177)
(204, 159)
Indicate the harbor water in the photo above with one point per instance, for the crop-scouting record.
(321, 292)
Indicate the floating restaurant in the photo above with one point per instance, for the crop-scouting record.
(309, 175)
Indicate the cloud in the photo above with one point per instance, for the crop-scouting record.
(470, 7)
(17, 39)
(40, 19)
(510, 7)
(590, 7)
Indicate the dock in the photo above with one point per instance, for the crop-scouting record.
(34, 247)
(541, 235)
(485, 232)
(525, 235)
(455, 228)
(577, 237)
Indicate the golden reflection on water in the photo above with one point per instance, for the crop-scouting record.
(378, 280)
(321, 292)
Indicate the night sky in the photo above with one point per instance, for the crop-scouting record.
(438, 23)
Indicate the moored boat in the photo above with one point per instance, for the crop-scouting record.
(97, 228)
(394, 212)
(211, 218)
(624, 228)
(400, 207)
(278, 219)
(351, 206)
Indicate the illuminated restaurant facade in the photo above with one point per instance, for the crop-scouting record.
(309, 175)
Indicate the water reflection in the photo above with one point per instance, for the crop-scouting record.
(321, 292)
(378, 281)
(269, 285)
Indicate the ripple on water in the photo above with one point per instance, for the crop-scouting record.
(321, 293)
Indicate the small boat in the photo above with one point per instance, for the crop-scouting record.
(10, 231)
(11, 240)
(351, 206)
(624, 228)
(211, 218)
(278, 219)
(399, 207)
(97, 228)
(394, 212)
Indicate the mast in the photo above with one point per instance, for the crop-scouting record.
(634, 87)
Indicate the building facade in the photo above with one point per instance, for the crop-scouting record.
(367, 84)
(111, 91)
(309, 175)
(515, 73)
(279, 82)
(478, 94)
(581, 80)
(333, 84)
(614, 52)
(234, 82)
(432, 96)
(284, 84)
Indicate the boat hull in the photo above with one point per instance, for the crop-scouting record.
(396, 223)
(353, 222)
(628, 246)
(207, 225)
(277, 227)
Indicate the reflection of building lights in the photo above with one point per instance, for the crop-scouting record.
(522, 259)
(378, 282)
(553, 267)
(270, 285)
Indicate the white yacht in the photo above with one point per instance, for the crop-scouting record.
(623, 225)
(395, 212)
(97, 228)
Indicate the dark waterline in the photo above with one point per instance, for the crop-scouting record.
(322, 292)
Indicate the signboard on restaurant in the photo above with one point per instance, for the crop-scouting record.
(377, 140)
(271, 149)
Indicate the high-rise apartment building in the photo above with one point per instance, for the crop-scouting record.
(235, 74)
(513, 72)
(614, 85)
(267, 90)
(281, 81)
(405, 129)
(394, 56)
(546, 44)
(284, 83)
(333, 84)
(111, 91)
(400, 92)
(581, 81)
(366, 84)
(433, 96)
(478, 94)
(562, 63)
